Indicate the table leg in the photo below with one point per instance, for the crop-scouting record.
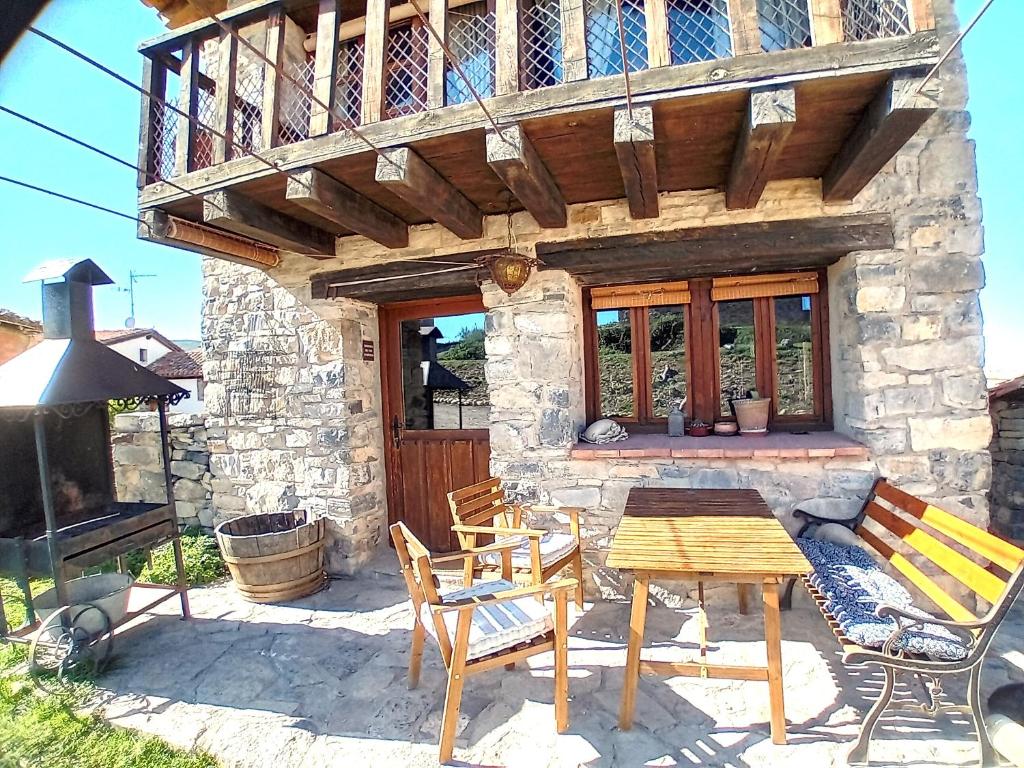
(702, 627)
(637, 617)
(743, 597)
(773, 641)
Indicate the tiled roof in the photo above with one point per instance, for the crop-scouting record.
(1007, 388)
(179, 365)
(126, 334)
(13, 318)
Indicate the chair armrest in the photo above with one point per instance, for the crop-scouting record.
(498, 531)
(463, 554)
(563, 585)
(572, 512)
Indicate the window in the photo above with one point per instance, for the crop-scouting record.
(704, 342)
(143, 355)
(200, 390)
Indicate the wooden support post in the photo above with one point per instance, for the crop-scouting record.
(922, 15)
(506, 47)
(154, 80)
(227, 67)
(438, 16)
(746, 30)
(515, 161)
(317, 192)
(634, 146)
(773, 643)
(637, 619)
(374, 50)
(325, 66)
(407, 175)
(656, 19)
(890, 120)
(574, 41)
(188, 102)
(826, 22)
(771, 117)
(238, 214)
(270, 109)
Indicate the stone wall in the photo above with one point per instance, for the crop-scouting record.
(1007, 495)
(139, 468)
(293, 410)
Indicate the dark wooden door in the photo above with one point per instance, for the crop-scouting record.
(435, 428)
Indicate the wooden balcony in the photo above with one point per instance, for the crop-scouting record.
(726, 94)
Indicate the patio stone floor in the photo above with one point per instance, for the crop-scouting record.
(321, 682)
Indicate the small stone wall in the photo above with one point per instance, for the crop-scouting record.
(139, 469)
(1006, 499)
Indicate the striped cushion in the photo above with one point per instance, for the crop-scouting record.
(496, 626)
(553, 547)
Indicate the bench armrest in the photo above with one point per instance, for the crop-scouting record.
(506, 594)
(905, 621)
(895, 612)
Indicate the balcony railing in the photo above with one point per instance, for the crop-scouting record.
(386, 65)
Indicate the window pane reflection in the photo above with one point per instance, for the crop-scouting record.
(737, 372)
(793, 353)
(615, 363)
(668, 357)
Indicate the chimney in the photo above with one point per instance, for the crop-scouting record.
(67, 303)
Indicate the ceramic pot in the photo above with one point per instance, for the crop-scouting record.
(752, 415)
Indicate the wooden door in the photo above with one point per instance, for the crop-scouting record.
(435, 413)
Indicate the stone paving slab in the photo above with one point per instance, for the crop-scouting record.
(321, 682)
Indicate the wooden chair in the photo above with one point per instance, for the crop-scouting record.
(489, 625)
(481, 510)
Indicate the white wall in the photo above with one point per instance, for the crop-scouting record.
(130, 348)
(194, 403)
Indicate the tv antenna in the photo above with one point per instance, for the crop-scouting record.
(133, 278)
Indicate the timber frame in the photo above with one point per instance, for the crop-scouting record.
(837, 108)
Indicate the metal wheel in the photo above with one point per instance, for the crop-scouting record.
(73, 642)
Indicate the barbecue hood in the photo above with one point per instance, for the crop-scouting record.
(69, 366)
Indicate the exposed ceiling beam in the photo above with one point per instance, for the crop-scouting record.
(238, 214)
(407, 175)
(895, 114)
(318, 193)
(515, 161)
(634, 147)
(770, 119)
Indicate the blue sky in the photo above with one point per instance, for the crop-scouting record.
(51, 86)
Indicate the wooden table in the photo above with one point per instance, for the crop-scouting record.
(705, 535)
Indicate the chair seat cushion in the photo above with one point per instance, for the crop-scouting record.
(553, 547)
(854, 586)
(496, 626)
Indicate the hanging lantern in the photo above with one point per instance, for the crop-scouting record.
(510, 270)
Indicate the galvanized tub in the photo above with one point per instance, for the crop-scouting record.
(107, 591)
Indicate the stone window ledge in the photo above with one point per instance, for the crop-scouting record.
(814, 445)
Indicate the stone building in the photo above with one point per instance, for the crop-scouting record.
(1006, 498)
(17, 334)
(820, 177)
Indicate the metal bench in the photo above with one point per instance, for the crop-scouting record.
(894, 524)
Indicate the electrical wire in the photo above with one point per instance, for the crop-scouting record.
(78, 200)
(145, 92)
(625, 60)
(97, 150)
(954, 45)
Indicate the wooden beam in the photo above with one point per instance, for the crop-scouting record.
(270, 108)
(506, 46)
(513, 158)
(634, 146)
(826, 21)
(407, 175)
(154, 80)
(238, 214)
(155, 226)
(771, 117)
(890, 120)
(656, 21)
(746, 29)
(325, 65)
(227, 66)
(188, 102)
(401, 280)
(574, 41)
(317, 192)
(438, 16)
(922, 15)
(374, 47)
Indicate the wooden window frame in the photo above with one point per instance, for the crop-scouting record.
(702, 362)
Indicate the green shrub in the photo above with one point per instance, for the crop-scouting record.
(203, 562)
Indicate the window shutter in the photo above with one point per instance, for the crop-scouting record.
(756, 286)
(649, 295)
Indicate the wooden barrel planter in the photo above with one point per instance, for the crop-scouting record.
(274, 557)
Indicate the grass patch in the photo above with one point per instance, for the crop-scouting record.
(49, 730)
(203, 563)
